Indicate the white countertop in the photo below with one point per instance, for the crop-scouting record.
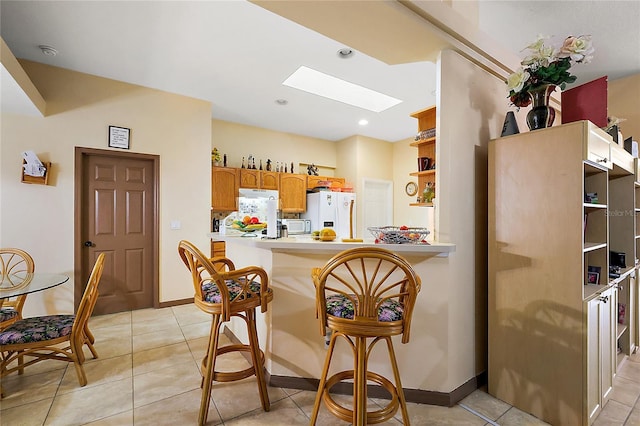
(304, 243)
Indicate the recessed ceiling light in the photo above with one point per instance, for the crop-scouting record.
(48, 50)
(282, 101)
(327, 86)
(363, 122)
(345, 53)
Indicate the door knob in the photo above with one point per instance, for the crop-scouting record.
(89, 244)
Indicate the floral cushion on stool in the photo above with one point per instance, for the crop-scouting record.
(339, 305)
(37, 329)
(7, 313)
(212, 294)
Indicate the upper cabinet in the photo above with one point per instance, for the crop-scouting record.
(293, 193)
(225, 182)
(315, 181)
(258, 179)
(292, 188)
(425, 141)
(269, 180)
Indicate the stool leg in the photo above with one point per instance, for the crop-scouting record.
(396, 374)
(360, 383)
(209, 369)
(256, 357)
(323, 379)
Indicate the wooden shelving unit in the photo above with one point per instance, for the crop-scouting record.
(554, 329)
(426, 148)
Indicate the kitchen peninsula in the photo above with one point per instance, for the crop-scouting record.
(289, 331)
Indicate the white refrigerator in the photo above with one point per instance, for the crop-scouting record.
(327, 209)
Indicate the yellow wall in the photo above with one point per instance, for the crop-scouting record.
(80, 107)
(354, 158)
(624, 102)
(238, 140)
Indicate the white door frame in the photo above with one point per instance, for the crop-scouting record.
(366, 183)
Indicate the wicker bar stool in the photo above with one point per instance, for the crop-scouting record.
(223, 294)
(364, 293)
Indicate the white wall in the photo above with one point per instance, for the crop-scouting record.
(471, 108)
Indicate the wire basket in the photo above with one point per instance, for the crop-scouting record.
(399, 235)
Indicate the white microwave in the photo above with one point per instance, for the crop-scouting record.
(297, 226)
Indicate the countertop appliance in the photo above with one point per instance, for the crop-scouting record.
(297, 226)
(327, 209)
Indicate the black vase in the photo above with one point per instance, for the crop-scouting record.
(541, 115)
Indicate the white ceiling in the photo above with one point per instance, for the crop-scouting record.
(236, 55)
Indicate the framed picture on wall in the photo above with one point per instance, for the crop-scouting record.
(119, 137)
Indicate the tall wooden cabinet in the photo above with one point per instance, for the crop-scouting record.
(425, 141)
(555, 197)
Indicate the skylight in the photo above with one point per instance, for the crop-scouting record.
(327, 86)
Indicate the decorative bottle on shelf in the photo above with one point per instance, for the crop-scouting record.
(428, 193)
(224, 161)
(292, 167)
(242, 167)
(261, 164)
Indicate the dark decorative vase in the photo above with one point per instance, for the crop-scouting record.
(541, 115)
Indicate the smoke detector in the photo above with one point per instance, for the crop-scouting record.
(345, 53)
(48, 50)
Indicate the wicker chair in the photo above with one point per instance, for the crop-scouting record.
(223, 291)
(13, 261)
(364, 293)
(63, 339)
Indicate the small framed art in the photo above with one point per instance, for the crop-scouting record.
(593, 278)
(119, 137)
(593, 274)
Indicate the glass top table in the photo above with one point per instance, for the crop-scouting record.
(12, 285)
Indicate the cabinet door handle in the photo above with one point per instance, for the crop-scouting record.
(604, 299)
(604, 160)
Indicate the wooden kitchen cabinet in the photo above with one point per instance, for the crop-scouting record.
(293, 193)
(249, 178)
(312, 181)
(225, 182)
(269, 180)
(258, 179)
(426, 149)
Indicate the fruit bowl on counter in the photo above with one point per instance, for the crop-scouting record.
(248, 224)
(399, 234)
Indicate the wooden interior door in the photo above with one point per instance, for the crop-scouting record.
(118, 217)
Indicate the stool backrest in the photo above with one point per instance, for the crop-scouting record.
(200, 266)
(368, 277)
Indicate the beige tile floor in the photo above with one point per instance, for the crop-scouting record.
(147, 374)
